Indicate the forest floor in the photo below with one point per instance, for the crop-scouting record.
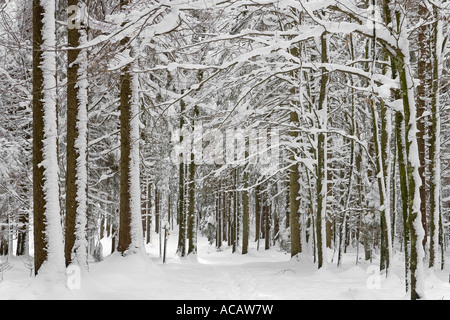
(212, 274)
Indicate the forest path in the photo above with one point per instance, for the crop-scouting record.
(215, 274)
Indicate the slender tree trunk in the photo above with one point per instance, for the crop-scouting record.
(386, 133)
(257, 213)
(343, 231)
(294, 191)
(114, 234)
(288, 205)
(157, 211)
(219, 216)
(166, 231)
(294, 174)
(235, 219)
(401, 152)
(329, 228)
(422, 97)
(382, 151)
(224, 212)
(384, 205)
(144, 202)
(245, 205)
(229, 213)
(181, 250)
(192, 246)
(148, 222)
(276, 222)
(436, 230)
(321, 160)
(266, 210)
(413, 164)
(22, 235)
(76, 173)
(394, 195)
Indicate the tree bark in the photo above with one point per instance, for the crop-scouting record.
(436, 230)
(294, 174)
(422, 97)
(321, 160)
(76, 173)
(245, 204)
(48, 239)
(130, 228)
(413, 164)
(181, 250)
(191, 234)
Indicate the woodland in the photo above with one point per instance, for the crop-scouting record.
(310, 129)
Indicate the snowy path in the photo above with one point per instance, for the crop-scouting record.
(259, 275)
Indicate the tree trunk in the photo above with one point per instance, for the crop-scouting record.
(321, 160)
(148, 222)
(294, 174)
(422, 97)
(157, 211)
(191, 234)
(181, 250)
(436, 230)
(245, 215)
(22, 236)
(235, 230)
(130, 228)
(48, 238)
(413, 164)
(381, 175)
(257, 213)
(76, 173)
(266, 210)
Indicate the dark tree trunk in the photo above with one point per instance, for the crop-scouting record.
(423, 90)
(219, 217)
(266, 210)
(181, 250)
(125, 152)
(321, 161)
(73, 109)
(245, 211)
(294, 176)
(257, 213)
(40, 241)
(22, 235)
(191, 234)
(148, 222)
(157, 216)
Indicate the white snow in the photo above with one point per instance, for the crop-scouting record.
(212, 274)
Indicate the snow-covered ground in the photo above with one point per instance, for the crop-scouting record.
(259, 275)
